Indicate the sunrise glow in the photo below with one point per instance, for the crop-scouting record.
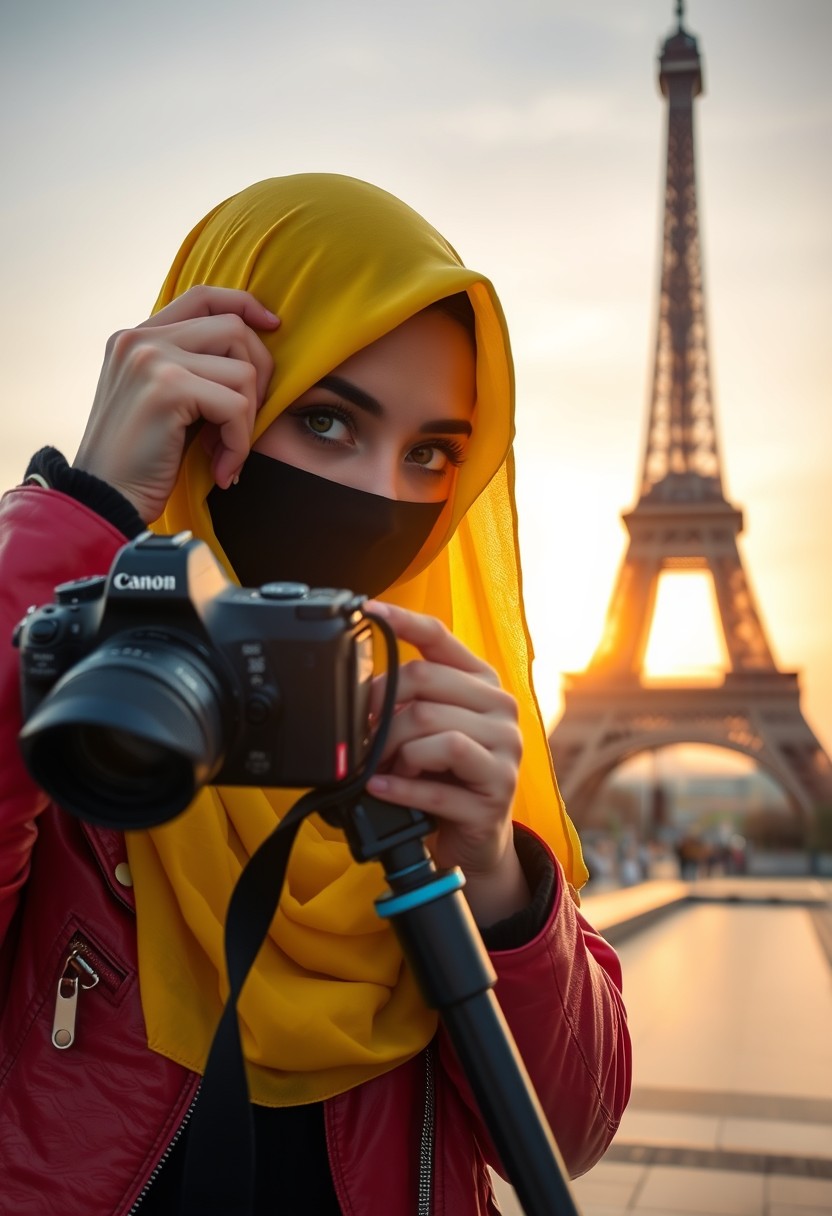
(686, 640)
(540, 156)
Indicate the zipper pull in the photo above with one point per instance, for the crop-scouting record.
(77, 974)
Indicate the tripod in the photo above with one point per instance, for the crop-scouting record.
(440, 941)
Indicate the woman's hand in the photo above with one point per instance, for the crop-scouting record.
(197, 361)
(453, 751)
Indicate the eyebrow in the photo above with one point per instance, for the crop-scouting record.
(371, 405)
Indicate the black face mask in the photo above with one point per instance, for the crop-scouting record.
(282, 524)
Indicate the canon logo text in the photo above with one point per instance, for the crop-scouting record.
(144, 582)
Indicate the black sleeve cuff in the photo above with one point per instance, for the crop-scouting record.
(49, 468)
(522, 926)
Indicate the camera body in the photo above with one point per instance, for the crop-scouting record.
(139, 688)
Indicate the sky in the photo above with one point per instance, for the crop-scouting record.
(531, 135)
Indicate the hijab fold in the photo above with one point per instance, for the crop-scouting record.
(330, 1002)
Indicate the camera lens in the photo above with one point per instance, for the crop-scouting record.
(118, 757)
(128, 736)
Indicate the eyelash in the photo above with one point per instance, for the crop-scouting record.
(450, 448)
(327, 411)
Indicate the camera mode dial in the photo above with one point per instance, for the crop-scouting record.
(81, 591)
(284, 591)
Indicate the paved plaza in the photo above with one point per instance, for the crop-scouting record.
(729, 996)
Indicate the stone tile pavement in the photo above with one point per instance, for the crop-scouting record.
(729, 995)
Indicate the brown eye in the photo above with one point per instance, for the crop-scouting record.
(319, 423)
(325, 423)
(422, 455)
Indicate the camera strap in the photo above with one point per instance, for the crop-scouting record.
(219, 1171)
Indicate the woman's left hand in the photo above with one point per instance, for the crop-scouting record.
(453, 751)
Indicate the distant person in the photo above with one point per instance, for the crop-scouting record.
(690, 853)
(382, 401)
(629, 866)
(737, 854)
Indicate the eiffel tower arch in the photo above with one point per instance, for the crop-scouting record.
(683, 521)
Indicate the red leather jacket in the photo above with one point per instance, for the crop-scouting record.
(85, 1129)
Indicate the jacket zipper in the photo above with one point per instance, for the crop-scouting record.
(160, 1164)
(427, 1138)
(425, 1144)
(83, 969)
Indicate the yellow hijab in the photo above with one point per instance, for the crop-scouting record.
(330, 1002)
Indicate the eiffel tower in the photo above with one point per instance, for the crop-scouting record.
(683, 521)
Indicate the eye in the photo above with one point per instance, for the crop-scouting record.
(326, 423)
(435, 457)
(427, 455)
(320, 423)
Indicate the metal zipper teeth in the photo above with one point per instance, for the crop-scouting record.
(426, 1141)
(113, 979)
(160, 1164)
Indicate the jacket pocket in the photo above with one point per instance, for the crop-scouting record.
(84, 969)
(72, 995)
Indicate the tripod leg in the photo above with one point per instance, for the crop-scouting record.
(441, 942)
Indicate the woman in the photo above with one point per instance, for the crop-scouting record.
(373, 418)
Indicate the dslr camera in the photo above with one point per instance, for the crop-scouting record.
(141, 687)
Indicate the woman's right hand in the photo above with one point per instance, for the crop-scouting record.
(196, 363)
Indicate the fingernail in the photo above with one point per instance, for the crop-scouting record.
(272, 316)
